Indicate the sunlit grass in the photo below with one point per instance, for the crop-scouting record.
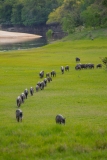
(80, 96)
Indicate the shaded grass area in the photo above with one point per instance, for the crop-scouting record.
(80, 96)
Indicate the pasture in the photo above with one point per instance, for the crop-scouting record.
(80, 96)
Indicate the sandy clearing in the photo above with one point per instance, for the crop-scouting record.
(14, 37)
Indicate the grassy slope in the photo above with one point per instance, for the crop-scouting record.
(80, 96)
(98, 33)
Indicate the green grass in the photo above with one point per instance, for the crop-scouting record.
(80, 96)
(85, 34)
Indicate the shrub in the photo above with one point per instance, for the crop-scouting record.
(49, 34)
(104, 60)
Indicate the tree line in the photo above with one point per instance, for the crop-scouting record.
(26, 12)
(73, 14)
(70, 14)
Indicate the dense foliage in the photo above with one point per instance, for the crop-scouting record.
(104, 60)
(76, 13)
(26, 12)
(71, 14)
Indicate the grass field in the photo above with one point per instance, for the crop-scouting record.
(80, 96)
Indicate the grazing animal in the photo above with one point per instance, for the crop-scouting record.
(39, 84)
(47, 74)
(41, 74)
(42, 85)
(84, 66)
(18, 101)
(22, 97)
(53, 73)
(60, 119)
(67, 68)
(45, 81)
(31, 91)
(62, 69)
(37, 87)
(90, 65)
(49, 79)
(26, 92)
(99, 66)
(19, 115)
(77, 59)
(87, 65)
(78, 67)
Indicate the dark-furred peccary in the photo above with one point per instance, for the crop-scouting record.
(60, 119)
(19, 115)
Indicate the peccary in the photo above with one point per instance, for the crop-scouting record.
(18, 101)
(42, 85)
(53, 73)
(78, 67)
(41, 74)
(99, 66)
(77, 59)
(62, 69)
(45, 81)
(60, 119)
(22, 97)
(47, 74)
(49, 79)
(31, 91)
(26, 92)
(67, 68)
(90, 65)
(19, 115)
(37, 88)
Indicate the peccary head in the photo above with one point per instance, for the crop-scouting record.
(63, 120)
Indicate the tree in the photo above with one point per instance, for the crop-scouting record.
(27, 12)
(5, 12)
(16, 13)
(68, 15)
(91, 16)
(36, 12)
(85, 4)
(56, 15)
(68, 24)
(104, 2)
